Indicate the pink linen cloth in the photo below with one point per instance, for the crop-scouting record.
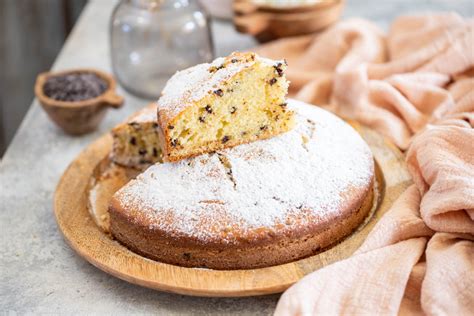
(416, 87)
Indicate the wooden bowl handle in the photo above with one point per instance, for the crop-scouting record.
(113, 100)
(251, 24)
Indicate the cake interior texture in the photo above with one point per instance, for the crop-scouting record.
(136, 142)
(245, 103)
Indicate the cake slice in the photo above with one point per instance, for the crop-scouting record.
(135, 142)
(233, 100)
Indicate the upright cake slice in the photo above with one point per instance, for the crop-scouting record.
(135, 142)
(233, 100)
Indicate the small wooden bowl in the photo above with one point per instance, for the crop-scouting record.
(78, 117)
(272, 22)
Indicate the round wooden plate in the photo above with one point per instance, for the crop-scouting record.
(91, 242)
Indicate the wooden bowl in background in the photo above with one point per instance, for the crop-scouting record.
(267, 22)
(78, 117)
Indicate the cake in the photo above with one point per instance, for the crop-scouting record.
(135, 142)
(233, 100)
(264, 203)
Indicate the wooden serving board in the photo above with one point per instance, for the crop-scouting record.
(96, 246)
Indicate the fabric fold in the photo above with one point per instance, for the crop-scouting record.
(416, 87)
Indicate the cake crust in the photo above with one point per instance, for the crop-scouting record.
(265, 203)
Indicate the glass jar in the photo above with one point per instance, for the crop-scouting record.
(152, 39)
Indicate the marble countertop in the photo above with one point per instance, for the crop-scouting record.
(39, 273)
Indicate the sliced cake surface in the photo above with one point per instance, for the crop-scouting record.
(264, 203)
(233, 100)
(136, 142)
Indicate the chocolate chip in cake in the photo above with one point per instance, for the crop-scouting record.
(264, 127)
(244, 133)
(272, 81)
(213, 69)
(283, 105)
(233, 109)
(233, 60)
(135, 125)
(142, 151)
(208, 109)
(225, 139)
(155, 152)
(174, 142)
(202, 119)
(278, 69)
(187, 256)
(155, 125)
(133, 141)
(170, 126)
(219, 92)
(74, 86)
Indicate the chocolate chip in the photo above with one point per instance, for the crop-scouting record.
(74, 86)
(215, 68)
(225, 139)
(218, 92)
(244, 133)
(142, 151)
(133, 141)
(170, 126)
(233, 60)
(283, 105)
(264, 127)
(187, 255)
(279, 72)
(272, 81)
(233, 109)
(155, 125)
(174, 142)
(135, 125)
(155, 152)
(202, 119)
(208, 109)
(278, 69)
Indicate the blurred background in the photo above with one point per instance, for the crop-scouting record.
(33, 32)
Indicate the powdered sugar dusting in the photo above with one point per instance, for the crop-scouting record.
(194, 83)
(292, 178)
(147, 114)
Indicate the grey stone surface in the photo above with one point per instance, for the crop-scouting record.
(39, 273)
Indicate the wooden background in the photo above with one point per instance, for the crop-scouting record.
(32, 34)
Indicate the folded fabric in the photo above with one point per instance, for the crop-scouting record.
(416, 87)
(395, 84)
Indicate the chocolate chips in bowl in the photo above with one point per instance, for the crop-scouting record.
(77, 100)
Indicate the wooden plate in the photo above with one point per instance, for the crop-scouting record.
(88, 240)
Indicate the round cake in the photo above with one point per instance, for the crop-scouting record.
(255, 205)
